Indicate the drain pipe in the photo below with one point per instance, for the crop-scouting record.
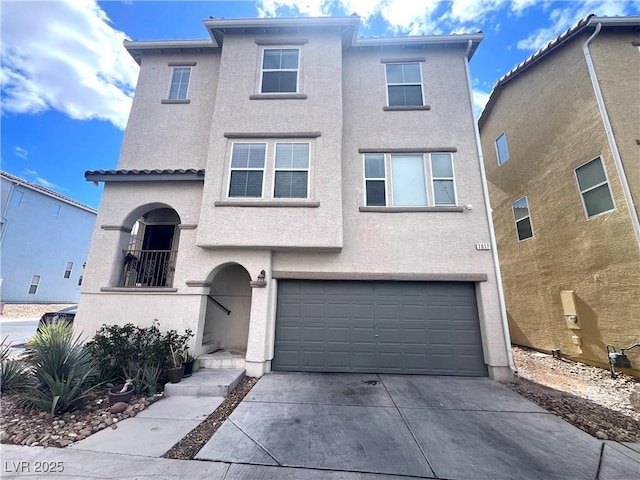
(492, 233)
(609, 132)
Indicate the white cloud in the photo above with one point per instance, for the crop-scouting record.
(569, 15)
(71, 60)
(480, 99)
(21, 152)
(42, 181)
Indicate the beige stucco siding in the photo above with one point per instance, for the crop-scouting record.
(320, 80)
(617, 65)
(171, 135)
(553, 126)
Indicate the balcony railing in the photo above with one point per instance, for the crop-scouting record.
(148, 268)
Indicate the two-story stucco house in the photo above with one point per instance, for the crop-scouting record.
(44, 241)
(308, 198)
(561, 146)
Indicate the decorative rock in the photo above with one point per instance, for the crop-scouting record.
(63, 442)
(572, 417)
(634, 397)
(114, 426)
(101, 426)
(119, 407)
(601, 435)
(108, 421)
(85, 432)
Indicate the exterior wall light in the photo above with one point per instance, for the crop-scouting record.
(261, 282)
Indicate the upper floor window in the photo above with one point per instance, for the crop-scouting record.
(247, 169)
(67, 271)
(401, 180)
(594, 188)
(280, 70)
(404, 84)
(55, 210)
(16, 198)
(179, 83)
(35, 282)
(291, 170)
(501, 148)
(522, 218)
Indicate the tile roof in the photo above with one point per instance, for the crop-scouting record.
(155, 175)
(46, 191)
(157, 171)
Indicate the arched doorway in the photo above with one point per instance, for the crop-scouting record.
(226, 326)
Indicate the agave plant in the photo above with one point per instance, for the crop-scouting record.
(14, 372)
(63, 371)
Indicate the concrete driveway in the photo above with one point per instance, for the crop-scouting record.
(347, 426)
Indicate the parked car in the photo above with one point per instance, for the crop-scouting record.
(67, 314)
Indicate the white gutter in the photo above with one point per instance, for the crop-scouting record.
(609, 131)
(492, 233)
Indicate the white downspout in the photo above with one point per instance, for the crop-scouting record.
(609, 131)
(492, 233)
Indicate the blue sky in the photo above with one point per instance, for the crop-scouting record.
(67, 81)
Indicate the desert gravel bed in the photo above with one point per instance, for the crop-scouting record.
(584, 396)
(30, 310)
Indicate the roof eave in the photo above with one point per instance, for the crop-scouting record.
(462, 39)
(137, 48)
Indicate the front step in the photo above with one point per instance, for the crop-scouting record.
(211, 382)
(223, 359)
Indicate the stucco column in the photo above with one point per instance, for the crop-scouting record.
(258, 359)
(494, 344)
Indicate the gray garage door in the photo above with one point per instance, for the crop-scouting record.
(378, 327)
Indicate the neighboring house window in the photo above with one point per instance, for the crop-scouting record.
(501, 148)
(67, 271)
(522, 218)
(401, 180)
(594, 188)
(247, 169)
(84, 266)
(35, 281)
(55, 211)
(404, 84)
(291, 170)
(179, 83)
(280, 70)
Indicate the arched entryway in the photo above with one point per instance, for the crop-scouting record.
(228, 311)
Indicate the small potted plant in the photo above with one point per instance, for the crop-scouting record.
(176, 370)
(188, 364)
(121, 394)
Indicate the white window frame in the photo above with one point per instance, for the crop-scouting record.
(528, 216)
(275, 169)
(506, 146)
(186, 94)
(582, 192)
(35, 283)
(232, 169)
(68, 270)
(263, 70)
(387, 84)
(434, 178)
(428, 180)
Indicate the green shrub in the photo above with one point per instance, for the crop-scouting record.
(63, 373)
(14, 372)
(123, 351)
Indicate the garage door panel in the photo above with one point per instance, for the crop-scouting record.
(378, 327)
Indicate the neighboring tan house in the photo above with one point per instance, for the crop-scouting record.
(44, 241)
(341, 224)
(561, 145)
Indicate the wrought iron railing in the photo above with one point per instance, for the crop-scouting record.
(148, 268)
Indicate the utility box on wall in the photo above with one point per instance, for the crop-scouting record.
(569, 309)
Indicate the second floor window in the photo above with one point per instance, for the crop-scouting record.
(409, 181)
(280, 70)
(179, 83)
(247, 169)
(35, 282)
(404, 84)
(291, 170)
(67, 271)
